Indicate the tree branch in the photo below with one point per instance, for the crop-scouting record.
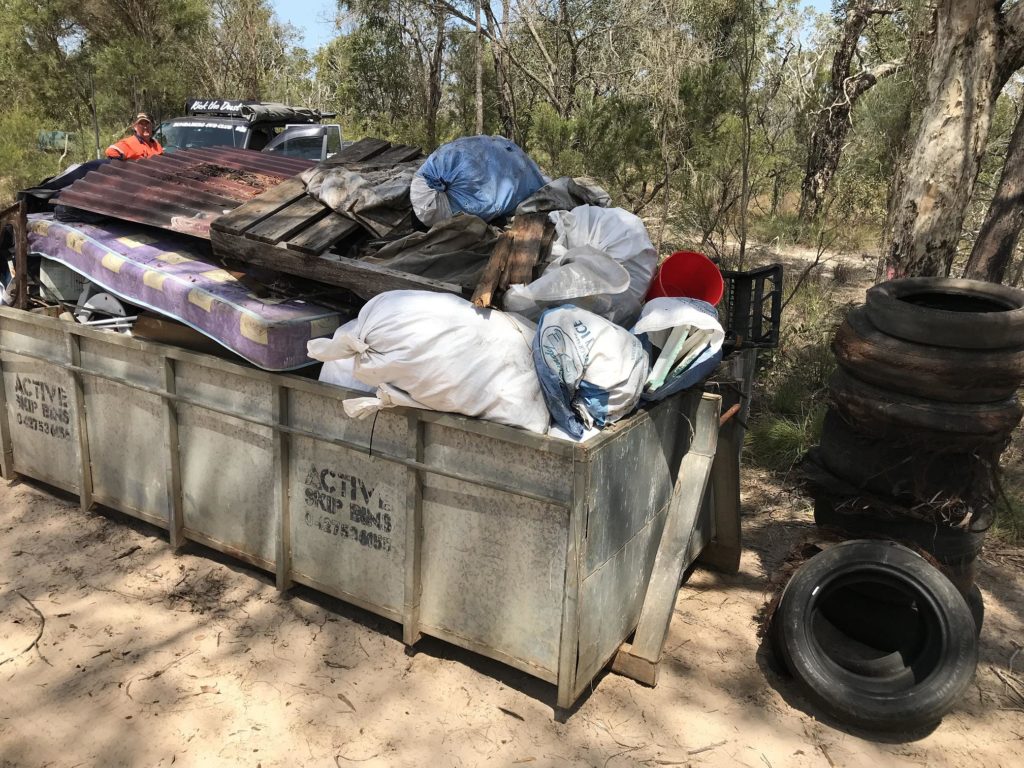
(1011, 52)
(497, 40)
(856, 86)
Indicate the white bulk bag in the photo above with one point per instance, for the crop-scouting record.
(438, 351)
(335, 371)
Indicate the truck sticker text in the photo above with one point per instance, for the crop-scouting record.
(42, 407)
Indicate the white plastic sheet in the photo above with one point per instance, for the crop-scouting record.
(690, 339)
(589, 242)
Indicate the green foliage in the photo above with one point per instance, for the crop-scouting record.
(697, 116)
(791, 396)
(23, 163)
(777, 442)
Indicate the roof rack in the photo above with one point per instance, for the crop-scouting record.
(255, 111)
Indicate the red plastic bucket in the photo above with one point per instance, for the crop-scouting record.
(689, 274)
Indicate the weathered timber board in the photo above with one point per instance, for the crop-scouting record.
(364, 280)
(394, 156)
(321, 235)
(262, 207)
(289, 220)
(362, 150)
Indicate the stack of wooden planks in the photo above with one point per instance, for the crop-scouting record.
(516, 255)
(287, 230)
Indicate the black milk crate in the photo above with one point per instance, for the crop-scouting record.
(751, 307)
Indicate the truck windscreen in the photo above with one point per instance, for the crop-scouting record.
(183, 134)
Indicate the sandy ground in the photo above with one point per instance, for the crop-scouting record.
(146, 658)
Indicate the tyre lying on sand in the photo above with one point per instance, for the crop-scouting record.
(875, 636)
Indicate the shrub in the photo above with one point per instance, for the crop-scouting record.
(790, 396)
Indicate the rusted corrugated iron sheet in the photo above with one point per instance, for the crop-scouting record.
(182, 191)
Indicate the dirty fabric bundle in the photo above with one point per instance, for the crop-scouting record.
(690, 339)
(376, 198)
(602, 259)
(437, 351)
(487, 176)
(591, 371)
(564, 194)
(454, 251)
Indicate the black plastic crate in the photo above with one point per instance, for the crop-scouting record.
(751, 307)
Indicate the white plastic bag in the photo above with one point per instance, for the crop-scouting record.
(438, 351)
(690, 339)
(584, 276)
(591, 371)
(582, 236)
(431, 207)
(339, 372)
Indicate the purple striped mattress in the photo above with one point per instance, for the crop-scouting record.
(164, 273)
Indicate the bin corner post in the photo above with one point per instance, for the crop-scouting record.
(6, 444)
(640, 659)
(726, 547)
(569, 639)
(74, 355)
(175, 513)
(413, 534)
(282, 474)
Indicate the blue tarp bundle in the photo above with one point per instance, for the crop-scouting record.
(486, 176)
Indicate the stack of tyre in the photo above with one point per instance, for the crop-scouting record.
(922, 405)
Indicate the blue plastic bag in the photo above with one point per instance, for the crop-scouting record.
(486, 176)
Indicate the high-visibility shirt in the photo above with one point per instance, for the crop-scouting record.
(134, 148)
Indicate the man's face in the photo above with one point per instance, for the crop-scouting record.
(144, 128)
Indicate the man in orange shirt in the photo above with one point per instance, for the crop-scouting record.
(140, 144)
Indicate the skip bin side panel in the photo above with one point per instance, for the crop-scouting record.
(493, 562)
(322, 414)
(127, 446)
(43, 421)
(493, 571)
(633, 475)
(611, 599)
(629, 489)
(42, 416)
(348, 523)
(227, 472)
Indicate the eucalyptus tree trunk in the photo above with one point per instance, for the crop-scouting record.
(997, 239)
(939, 177)
(832, 122)
(479, 73)
(434, 77)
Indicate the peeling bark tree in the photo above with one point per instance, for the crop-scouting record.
(976, 48)
(833, 119)
(993, 248)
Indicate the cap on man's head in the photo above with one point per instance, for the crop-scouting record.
(142, 117)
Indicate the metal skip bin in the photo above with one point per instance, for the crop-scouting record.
(531, 550)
